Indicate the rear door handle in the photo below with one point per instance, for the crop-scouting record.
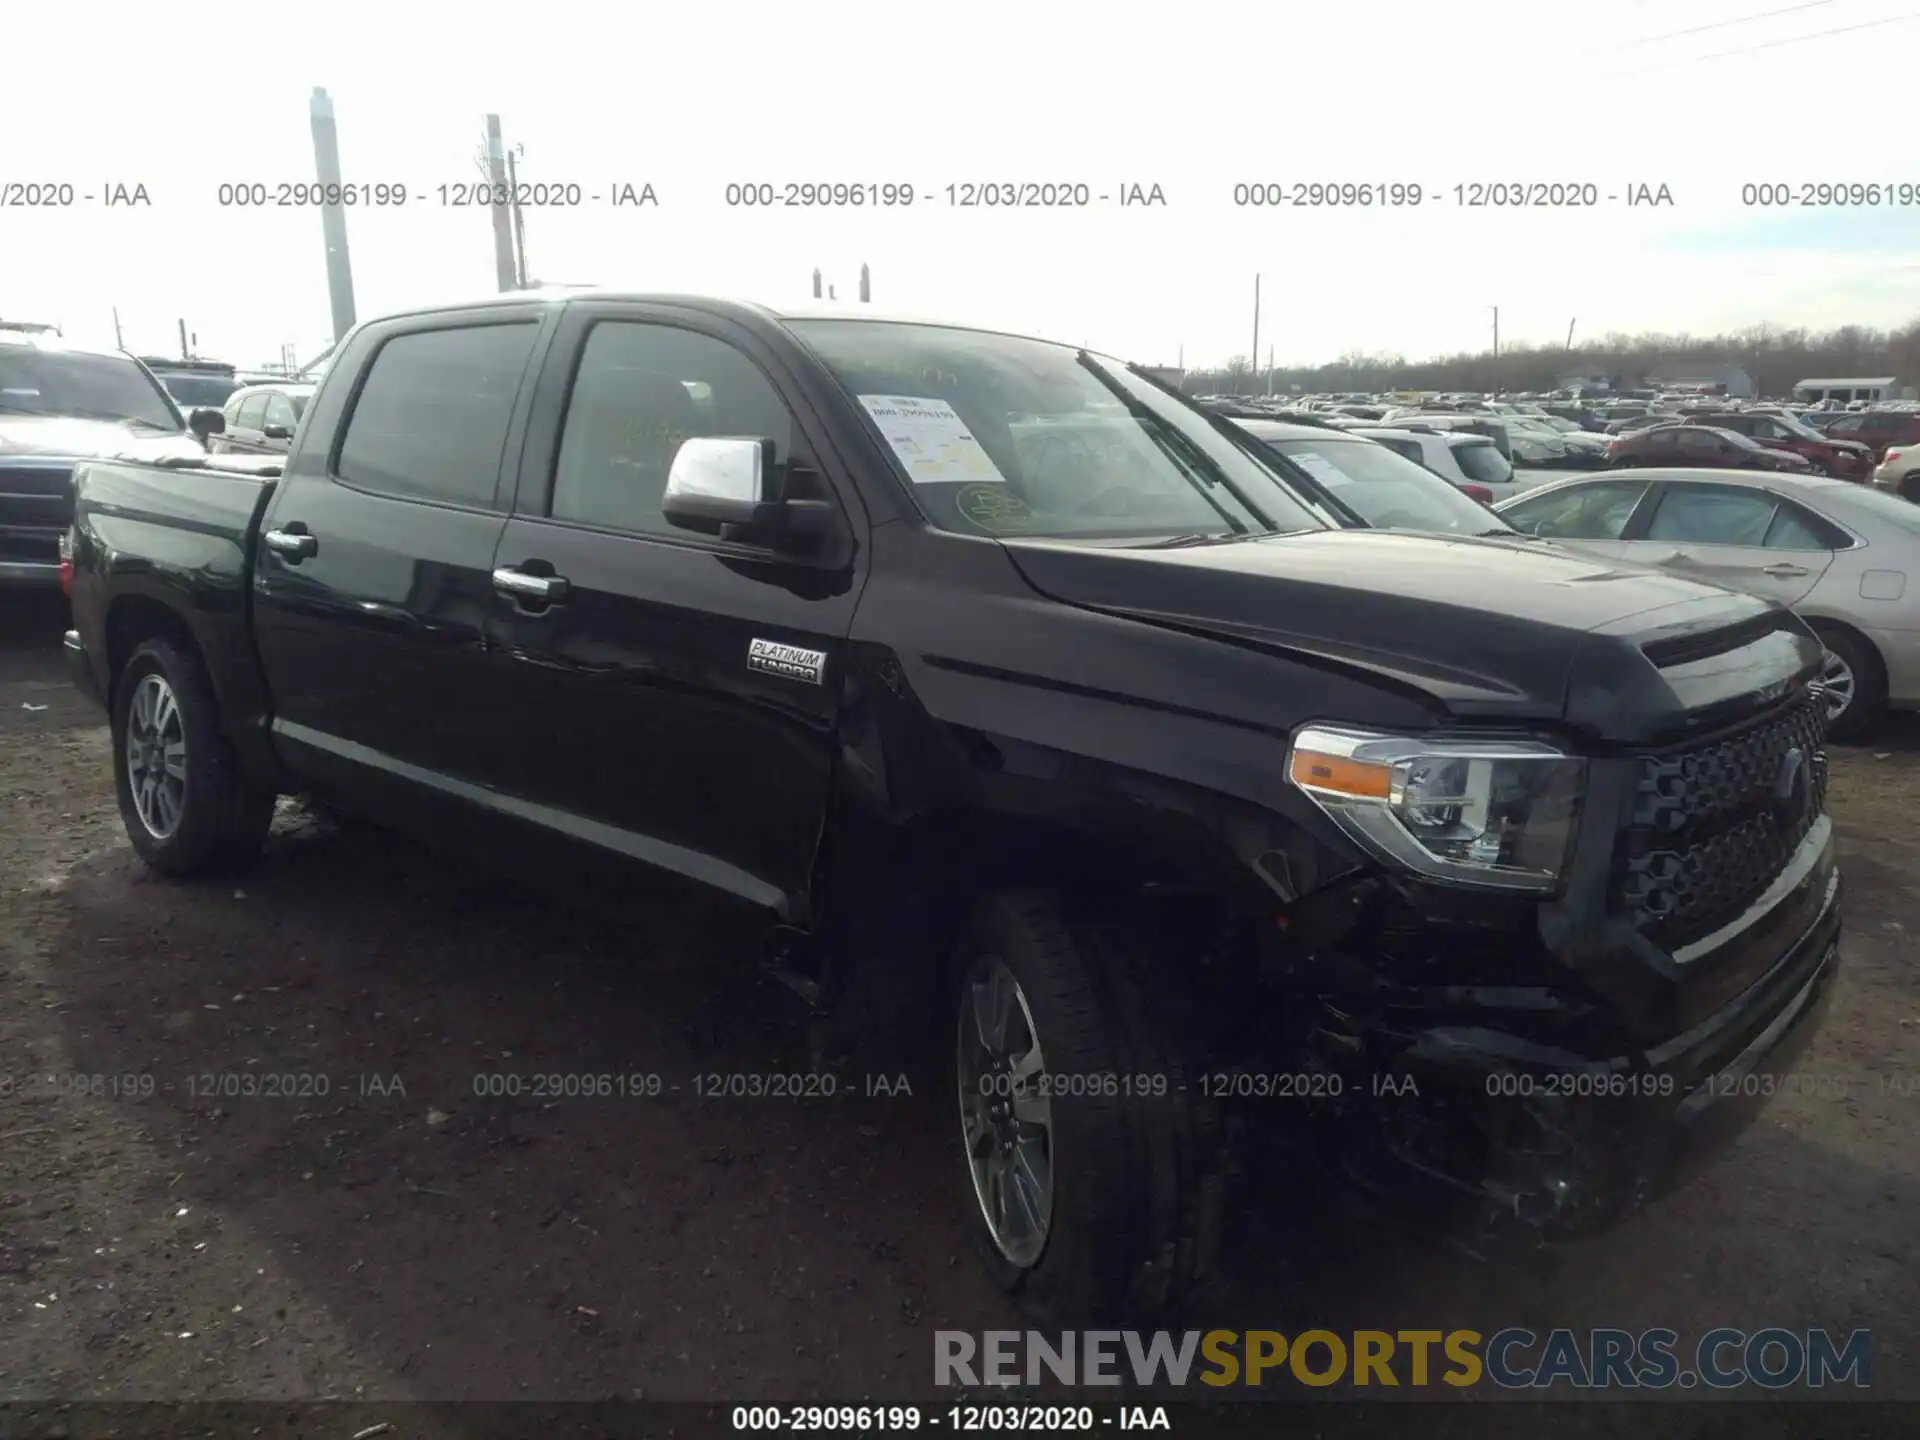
(292, 545)
(1784, 571)
(520, 585)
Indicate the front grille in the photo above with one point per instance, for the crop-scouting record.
(1708, 832)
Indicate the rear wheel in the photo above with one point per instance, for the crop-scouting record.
(184, 802)
(1855, 683)
(1092, 1176)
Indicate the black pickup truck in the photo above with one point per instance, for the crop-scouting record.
(1158, 804)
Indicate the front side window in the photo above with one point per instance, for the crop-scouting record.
(1579, 512)
(280, 411)
(431, 418)
(1713, 515)
(640, 391)
(253, 412)
(1002, 435)
(1698, 442)
(1386, 490)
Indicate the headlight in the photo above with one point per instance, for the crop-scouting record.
(1496, 813)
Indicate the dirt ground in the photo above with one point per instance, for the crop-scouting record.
(367, 1226)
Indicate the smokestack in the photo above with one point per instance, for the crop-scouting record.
(866, 285)
(503, 264)
(832, 293)
(816, 283)
(185, 354)
(333, 218)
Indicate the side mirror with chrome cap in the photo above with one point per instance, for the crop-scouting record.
(732, 488)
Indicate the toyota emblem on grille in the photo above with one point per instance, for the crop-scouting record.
(1790, 793)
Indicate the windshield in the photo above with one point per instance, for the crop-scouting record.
(194, 391)
(1385, 489)
(999, 435)
(94, 387)
(1483, 463)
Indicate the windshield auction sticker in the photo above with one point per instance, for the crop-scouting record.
(933, 442)
(994, 508)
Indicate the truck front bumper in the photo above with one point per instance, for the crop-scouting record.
(1515, 1138)
(80, 668)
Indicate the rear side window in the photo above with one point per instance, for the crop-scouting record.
(431, 418)
(1483, 463)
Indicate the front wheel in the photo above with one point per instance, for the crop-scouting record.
(185, 804)
(1091, 1171)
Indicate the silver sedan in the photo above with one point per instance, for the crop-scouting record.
(1846, 556)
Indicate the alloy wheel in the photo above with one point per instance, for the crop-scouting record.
(156, 748)
(1839, 681)
(1006, 1119)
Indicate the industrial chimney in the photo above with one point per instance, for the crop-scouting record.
(866, 285)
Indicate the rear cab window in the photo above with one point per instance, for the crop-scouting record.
(430, 420)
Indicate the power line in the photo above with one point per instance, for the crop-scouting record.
(1723, 24)
(1768, 45)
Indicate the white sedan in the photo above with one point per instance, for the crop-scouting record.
(1845, 556)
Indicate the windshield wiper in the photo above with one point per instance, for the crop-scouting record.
(1187, 458)
(1181, 542)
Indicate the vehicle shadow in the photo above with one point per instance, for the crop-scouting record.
(604, 1237)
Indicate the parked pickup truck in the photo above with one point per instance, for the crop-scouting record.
(1155, 803)
(60, 405)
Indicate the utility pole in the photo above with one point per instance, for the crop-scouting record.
(185, 354)
(333, 218)
(119, 342)
(503, 267)
(1269, 369)
(519, 221)
(1255, 355)
(1570, 334)
(816, 282)
(866, 284)
(1496, 331)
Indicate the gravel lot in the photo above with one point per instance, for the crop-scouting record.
(379, 1231)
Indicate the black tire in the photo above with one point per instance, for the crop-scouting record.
(1138, 1187)
(222, 819)
(1869, 682)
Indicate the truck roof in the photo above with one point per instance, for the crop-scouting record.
(737, 306)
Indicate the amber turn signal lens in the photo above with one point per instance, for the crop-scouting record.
(1314, 771)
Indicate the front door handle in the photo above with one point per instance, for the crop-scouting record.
(541, 589)
(293, 546)
(1784, 571)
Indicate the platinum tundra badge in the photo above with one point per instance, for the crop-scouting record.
(789, 661)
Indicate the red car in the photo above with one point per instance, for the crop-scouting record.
(1698, 447)
(1877, 429)
(1837, 456)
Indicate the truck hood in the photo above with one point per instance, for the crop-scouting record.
(67, 437)
(1477, 628)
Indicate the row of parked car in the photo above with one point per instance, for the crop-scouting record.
(1865, 442)
(1838, 552)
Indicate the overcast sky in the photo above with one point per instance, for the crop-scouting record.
(689, 98)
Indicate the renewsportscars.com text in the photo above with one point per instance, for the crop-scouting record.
(1513, 1358)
